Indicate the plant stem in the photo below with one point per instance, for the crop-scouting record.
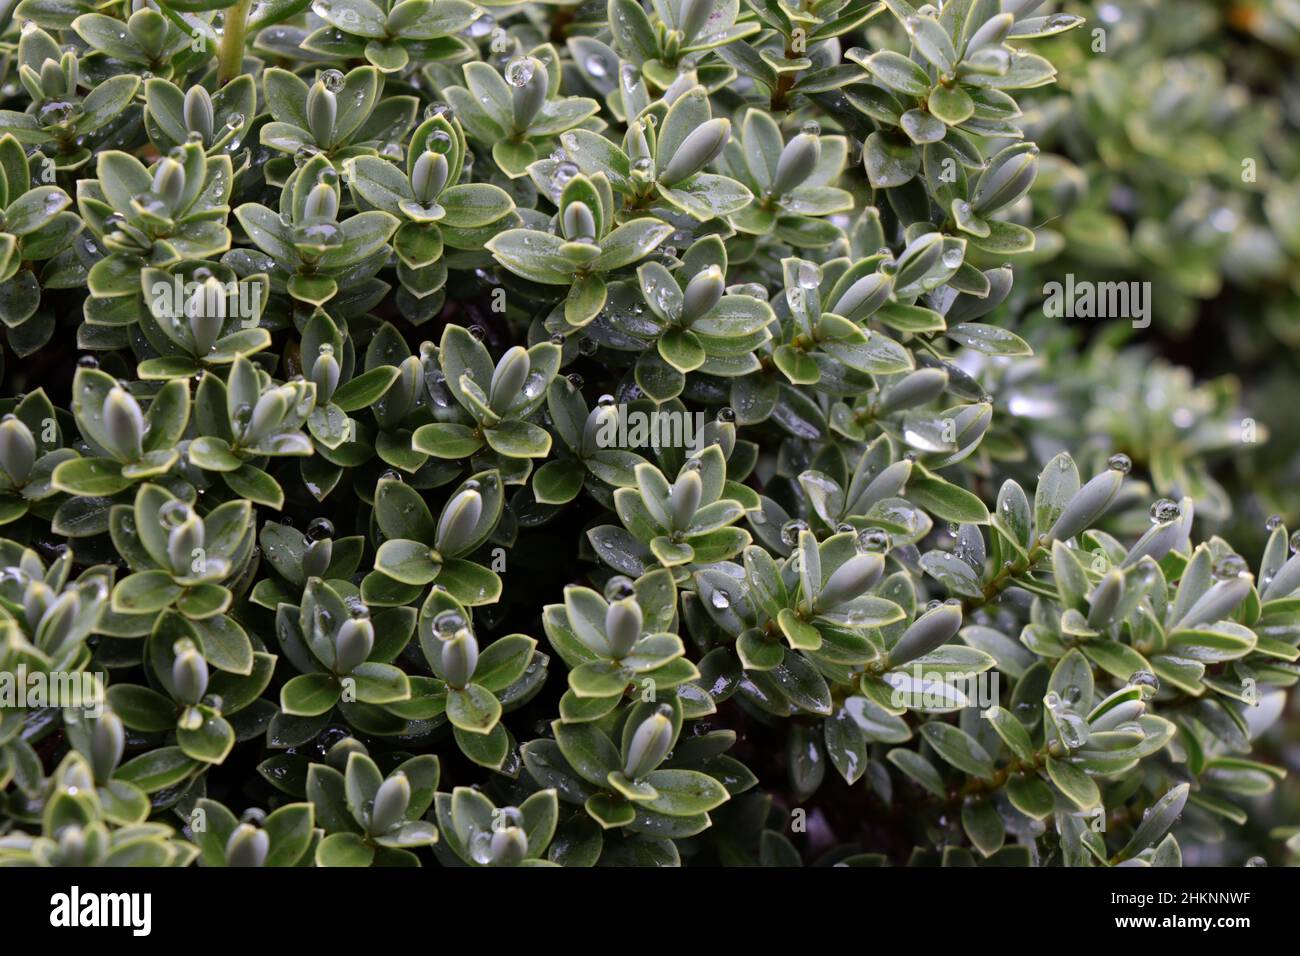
(559, 25)
(230, 58)
(784, 83)
(979, 787)
(1006, 576)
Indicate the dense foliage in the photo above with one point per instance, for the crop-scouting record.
(610, 433)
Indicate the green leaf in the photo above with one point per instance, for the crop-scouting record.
(378, 683)
(289, 830)
(599, 679)
(983, 825)
(629, 243)
(475, 204)
(518, 439)
(255, 485)
(684, 792)
(308, 695)
(487, 750)
(899, 73)
(364, 390)
(558, 482)
(958, 748)
(474, 709)
(533, 255)
(446, 440)
(408, 562)
(1077, 786)
(588, 751)
(401, 512)
(93, 477)
(344, 849)
(682, 350)
(944, 500)
(157, 769)
(210, 742)
(142, 708)
(890, 162)
(1031, 796)
(1012, 732)
(989, 339)
(469, 583)
(145, 592)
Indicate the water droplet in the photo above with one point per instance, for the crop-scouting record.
(480, 847)
(564, 173)
(809, 275)
(151, 204)
(1121, 463)
(1148, 681)
(57, 112)
(173, 514)
(519, 71)
(1230, 566)
(872, 541)
(753, 289)
(333, 80)
(791, 530)
(1164, 511)
(619, 587)
(326, 235)
(446, 623)
(253, 815)
(1074, 730)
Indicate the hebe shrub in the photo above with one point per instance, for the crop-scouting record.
(573, 434)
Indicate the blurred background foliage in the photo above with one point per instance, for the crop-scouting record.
(1171, 156)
